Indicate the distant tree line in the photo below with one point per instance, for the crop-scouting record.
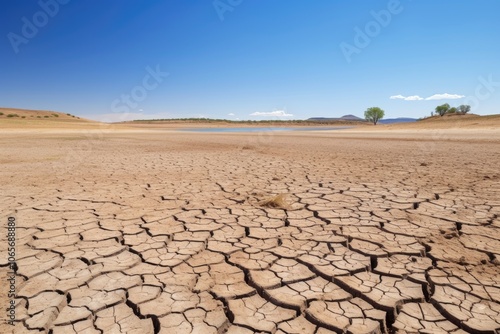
(446, 109)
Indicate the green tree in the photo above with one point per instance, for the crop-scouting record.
(442, 109)
(374, 114)
(464, 108)
(452, 110)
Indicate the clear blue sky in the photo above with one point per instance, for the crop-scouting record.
(252, 56)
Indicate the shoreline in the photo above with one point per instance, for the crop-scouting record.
(486, 134)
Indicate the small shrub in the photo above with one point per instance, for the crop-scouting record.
(12, 115)
(23, 116)
(55, 115)
(38, 116)
(1, 113)
(278, 202)
(68, 114)
(45, 116)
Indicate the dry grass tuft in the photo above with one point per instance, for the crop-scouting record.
(277, 202)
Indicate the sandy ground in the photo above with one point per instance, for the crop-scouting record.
(155, 231)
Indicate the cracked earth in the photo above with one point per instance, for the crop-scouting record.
(164, 233)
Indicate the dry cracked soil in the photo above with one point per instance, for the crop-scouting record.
(166, 233)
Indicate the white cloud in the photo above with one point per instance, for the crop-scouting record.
(406, 98)
(414, 98)
(230, 114)
(445, 96)
(276, 113)
(397, 97)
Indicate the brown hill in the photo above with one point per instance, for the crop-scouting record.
(12, 118)
(13, 114)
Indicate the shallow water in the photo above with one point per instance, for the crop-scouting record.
(265, 129)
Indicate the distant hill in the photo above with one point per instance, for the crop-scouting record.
(397, 120)
(12, 114)
(345, 118)
(12, 119)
